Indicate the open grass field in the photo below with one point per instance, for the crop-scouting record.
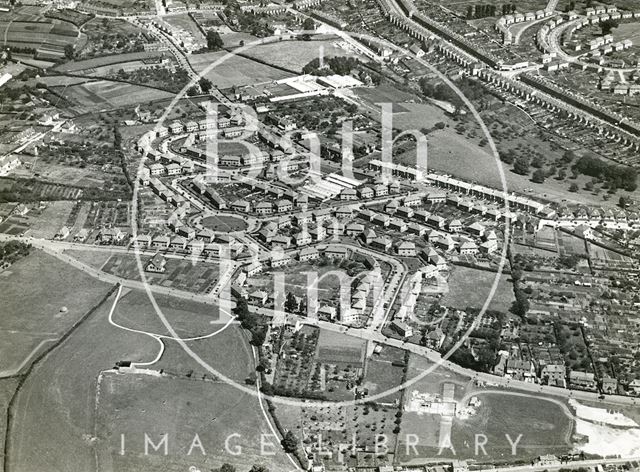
(627, 31)
(234, 70)
(95, 259)
(544, 427)
(434, 381)
(224, 223)
(34, 291)
(7, 388)
(295, 55)
(381, 374)
(227, 352)
(136, 404)
(471, 287)
(54, 416)
(188, 318)
(180, 273)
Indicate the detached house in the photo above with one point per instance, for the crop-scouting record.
(348, 194)
(308, 254)
(436, 221)
(366, 193)
(407, 249)
(381, 243)
(156, 264)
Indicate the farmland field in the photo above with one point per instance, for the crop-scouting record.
(471, 287)
(51, 33)
(28, 317)
(295, 55)
(234, 70)
(339, 348)
(103, 94)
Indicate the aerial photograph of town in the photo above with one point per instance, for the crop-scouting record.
(319, 235)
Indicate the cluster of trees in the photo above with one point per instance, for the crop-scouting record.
(483, 361)
(340, 65)
(158, 76)
(214, 41)
(607, 25)
(471, 89)
(289, 442)
(204, 86)
(570, 261)
(616, 176)
(12, 251)
(229, 468)
(251, 322)
(291, 305)
(520, 306)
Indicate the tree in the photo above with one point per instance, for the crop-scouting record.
(205, 85)
(69, 51)
(521, 166)
(258, 468)
(241, 309)
(538, 176)
(227, 468)
(624, 202)
(289, 442)
(538, 162)
(568, 156)
(291, 304)
(214, 41)
(521, 305)
(607, 25)
(258, 336)
(192, 91)
(516, 274)
(573, 187)
(302, 308)
(309, 24)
